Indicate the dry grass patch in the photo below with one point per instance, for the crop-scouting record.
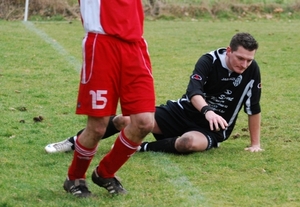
(14, 9)
(68, 9)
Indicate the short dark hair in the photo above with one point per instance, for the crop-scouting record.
(245, 40)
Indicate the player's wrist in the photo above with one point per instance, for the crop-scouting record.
(206, 109)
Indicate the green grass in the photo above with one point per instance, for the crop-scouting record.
(39, 71)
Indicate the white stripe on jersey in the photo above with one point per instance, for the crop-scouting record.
(247, 91)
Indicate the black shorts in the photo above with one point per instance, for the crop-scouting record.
(173, 122)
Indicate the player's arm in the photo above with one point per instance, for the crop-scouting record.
(254, 129)
(215, 120)
(195, 92)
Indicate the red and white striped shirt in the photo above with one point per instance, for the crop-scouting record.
(121, 18)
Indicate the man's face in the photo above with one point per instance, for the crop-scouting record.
(238, 61)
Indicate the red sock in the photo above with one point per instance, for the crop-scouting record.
(119, 154)
(81, 160)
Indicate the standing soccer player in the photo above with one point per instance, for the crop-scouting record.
(116, 66)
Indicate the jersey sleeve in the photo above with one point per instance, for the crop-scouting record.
(199, 76)
(252, 102)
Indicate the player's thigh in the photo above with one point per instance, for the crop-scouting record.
(156, 129)
(169, 122)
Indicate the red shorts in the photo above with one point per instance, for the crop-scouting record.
(115, 70)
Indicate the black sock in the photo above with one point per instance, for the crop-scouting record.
(78, 133)
(71, 139)
(164, 145)
(110, 129)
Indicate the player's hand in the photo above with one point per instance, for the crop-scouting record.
(216, 122)
(254, 148)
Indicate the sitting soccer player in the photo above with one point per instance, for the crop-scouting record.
(223, 81)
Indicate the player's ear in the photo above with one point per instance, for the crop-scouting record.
(228, 49)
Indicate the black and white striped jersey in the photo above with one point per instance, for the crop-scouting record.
(225, 91)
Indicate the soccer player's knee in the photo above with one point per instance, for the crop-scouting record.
(121, 121)
(145, 125)
(96, 133)
(184, 144)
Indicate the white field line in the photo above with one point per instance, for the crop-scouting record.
(69, 58)
(185, 188)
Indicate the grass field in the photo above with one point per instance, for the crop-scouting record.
(39, 73)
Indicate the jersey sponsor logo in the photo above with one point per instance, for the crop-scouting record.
(237, 81)
(196, 77)
(224, 97)
(228, 92)
(227, 79)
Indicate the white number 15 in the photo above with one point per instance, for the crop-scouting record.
(97, 96)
